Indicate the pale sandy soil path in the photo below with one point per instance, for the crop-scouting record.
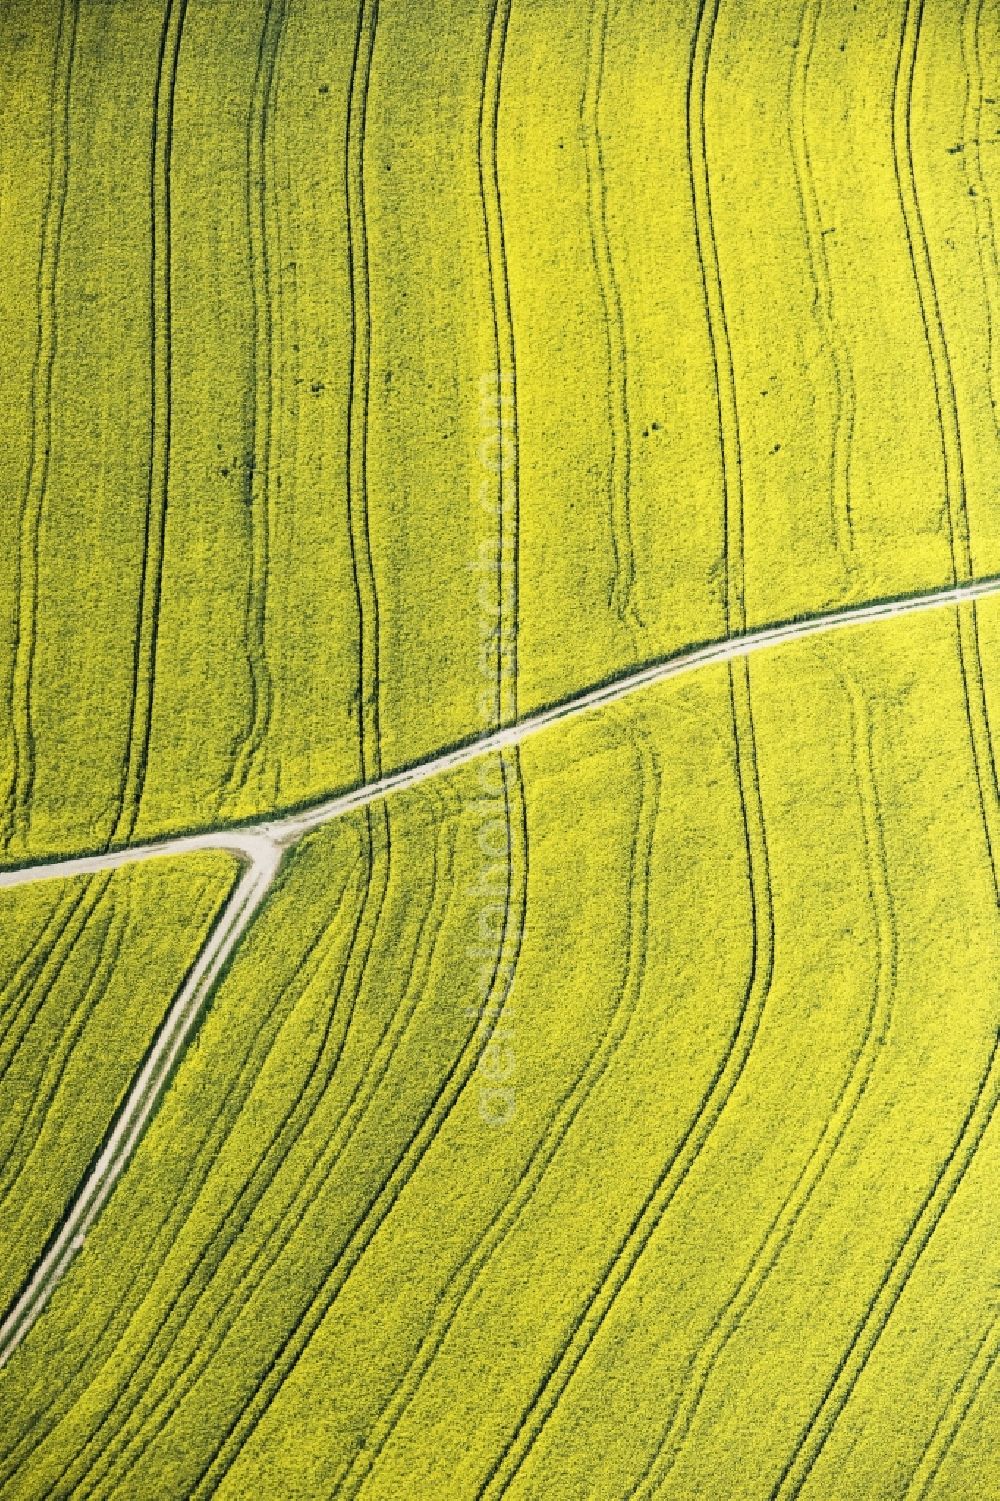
(260, 847)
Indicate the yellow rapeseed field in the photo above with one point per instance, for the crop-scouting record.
(499, 793)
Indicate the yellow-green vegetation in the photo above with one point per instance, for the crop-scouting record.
(330, 1271)
(612, 1115)
(268, 346)
(88, 967)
